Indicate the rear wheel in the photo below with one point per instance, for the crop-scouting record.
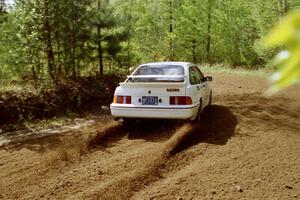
(210, 99)
(198, 117)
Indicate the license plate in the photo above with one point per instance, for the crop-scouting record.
(150, 100)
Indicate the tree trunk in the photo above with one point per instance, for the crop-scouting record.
(31, 53)
(128, 56)
(73, 43)
(34, 76)
(59, 70)
(49, 48)
(100, 52)
(171, 29)
(73, 59)
(57, 40)
(194, 38)
(194, 50)
(129, 39)
(38, 63)
(208, 39)
(285, 6)
(279, 10)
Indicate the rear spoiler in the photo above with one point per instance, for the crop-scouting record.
(156, 76)
(153, 84)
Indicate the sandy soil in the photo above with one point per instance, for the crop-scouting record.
(247, 146)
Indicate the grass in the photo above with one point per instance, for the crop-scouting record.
(222, 68)
(16, 86)
(5, 87)
(51, 122)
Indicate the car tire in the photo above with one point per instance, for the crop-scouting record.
(198, 117)
(210, 99)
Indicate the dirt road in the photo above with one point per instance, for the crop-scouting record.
(246, 147)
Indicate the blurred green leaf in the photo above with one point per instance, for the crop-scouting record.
(286, 35)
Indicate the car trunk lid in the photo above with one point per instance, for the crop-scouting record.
(153, 93)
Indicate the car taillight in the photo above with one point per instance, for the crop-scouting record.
(122, 99)
(180, 100)
(128, 100)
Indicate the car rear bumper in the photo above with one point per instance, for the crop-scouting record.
(154, 112)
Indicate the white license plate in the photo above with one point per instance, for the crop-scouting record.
(150, 100)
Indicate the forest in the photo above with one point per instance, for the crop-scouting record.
(51, 39)
(61, 64)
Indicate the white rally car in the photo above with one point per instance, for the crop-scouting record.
(166, 90)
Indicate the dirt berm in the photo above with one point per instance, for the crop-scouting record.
(247, 146)
(75, 95)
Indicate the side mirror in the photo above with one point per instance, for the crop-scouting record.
(208, 78)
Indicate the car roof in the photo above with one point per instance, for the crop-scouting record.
(167, 63)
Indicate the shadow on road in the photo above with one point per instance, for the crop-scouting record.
(217, 126)
(153, 130)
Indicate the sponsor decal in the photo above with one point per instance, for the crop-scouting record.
(173, 90)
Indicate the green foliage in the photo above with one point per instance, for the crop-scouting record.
(12, 60)
(51, 39)
(202, 31)
(286, 35)
(48, 39)
(111, 34)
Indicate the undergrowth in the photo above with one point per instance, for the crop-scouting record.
(28, 85)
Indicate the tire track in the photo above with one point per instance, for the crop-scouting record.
(212, 129)
(129, 183)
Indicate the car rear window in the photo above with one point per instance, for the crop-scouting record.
(163, 70)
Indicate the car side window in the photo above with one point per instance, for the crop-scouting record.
(200, 74)
(196, 77)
